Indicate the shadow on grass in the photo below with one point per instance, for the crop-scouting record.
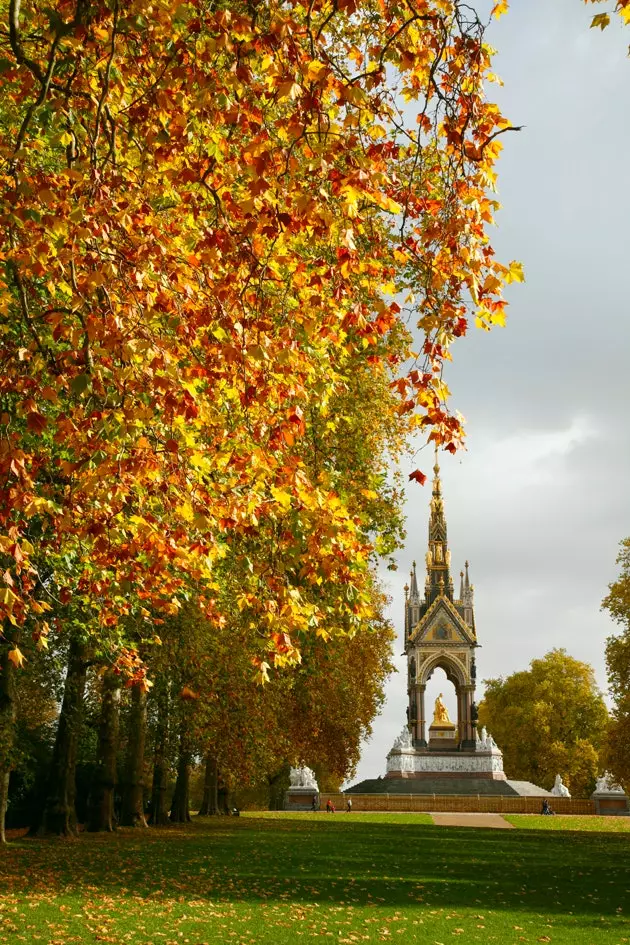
(348, 862)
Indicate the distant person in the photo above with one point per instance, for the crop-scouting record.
(546, 809)
(349, 806)
(330, 807)
(315, 804)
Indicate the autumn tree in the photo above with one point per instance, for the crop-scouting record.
(208, 213)
(549, 719)
(617, 603)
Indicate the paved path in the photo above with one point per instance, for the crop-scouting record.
(471, 820)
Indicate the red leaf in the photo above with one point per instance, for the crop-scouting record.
(36, 422)
(418, 476)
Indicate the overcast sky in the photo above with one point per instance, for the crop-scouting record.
(540, 500)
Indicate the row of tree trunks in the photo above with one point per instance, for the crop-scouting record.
(101, 814)
(59, 816)
(8, 715)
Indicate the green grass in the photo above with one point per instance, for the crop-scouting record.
(565, 822)
(316, 878)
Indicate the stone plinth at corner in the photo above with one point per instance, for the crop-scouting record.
(303, 793)
(612, 803)
(297, 798)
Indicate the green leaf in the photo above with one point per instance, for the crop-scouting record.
(80, 383)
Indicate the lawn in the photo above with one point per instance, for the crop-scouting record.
(343, 878)
(564, 822)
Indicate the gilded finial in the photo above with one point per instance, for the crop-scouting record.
(437, 486)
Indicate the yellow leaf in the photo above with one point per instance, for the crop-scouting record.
(515, 272)
(284, 498)
(500, 8)
(17, 657)
(8, 598)
(315, 69)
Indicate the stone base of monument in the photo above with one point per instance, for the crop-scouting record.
(610, 798)
(612, 803)
(443, 758)
(430, 763)
(443, 737)
(303, 790)
(301, 798)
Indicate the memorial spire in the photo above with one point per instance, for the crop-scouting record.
(439, 580)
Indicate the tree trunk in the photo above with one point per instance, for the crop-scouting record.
(132, 814)
(223, 799)
(210, 802)
(8, 716)
(59, 815)
(159, 789)
(101, 814)
(180, 805)
(278, 786)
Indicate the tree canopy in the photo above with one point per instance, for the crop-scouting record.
(549, 719)
(208, 211)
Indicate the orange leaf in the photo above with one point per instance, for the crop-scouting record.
(17, 657)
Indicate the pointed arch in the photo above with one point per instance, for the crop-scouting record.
(455, 672)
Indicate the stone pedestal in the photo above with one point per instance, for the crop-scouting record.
(443, 737)
(610, 798)
(301, 798)
(443, 758)
(303, 793)
(615, 804)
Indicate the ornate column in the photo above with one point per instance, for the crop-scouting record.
(421, 739)
(467, 734)
(461, 713)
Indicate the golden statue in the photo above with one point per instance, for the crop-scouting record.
(440, 714)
